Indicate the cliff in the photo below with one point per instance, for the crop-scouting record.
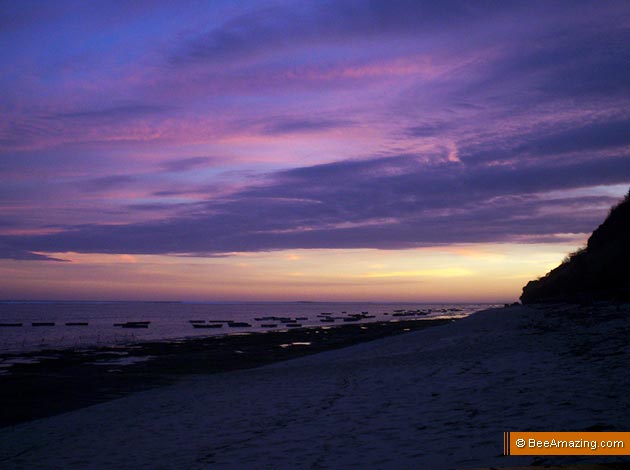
(599, 271)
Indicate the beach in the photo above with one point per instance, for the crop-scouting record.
(45, 383)
(307, 235)
(437, 398)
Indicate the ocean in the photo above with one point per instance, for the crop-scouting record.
(36, 326)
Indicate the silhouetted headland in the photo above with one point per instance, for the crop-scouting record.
(598, 272)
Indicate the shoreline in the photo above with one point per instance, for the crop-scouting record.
(437, 398)
(50, 382)
(67, 326)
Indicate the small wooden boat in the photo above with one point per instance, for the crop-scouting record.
(238, 324)
(268, 325)
(135, 325)
(10, 324)
(77, 323)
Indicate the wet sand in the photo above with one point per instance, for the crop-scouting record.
(438, 398)
(62, 380)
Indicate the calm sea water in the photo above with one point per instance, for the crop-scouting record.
(170, 321)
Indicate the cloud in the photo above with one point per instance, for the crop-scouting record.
(282, 27)
(289, 126)
(530, 98)
(108, 182)
(555, 140)
(8, 252)
(123, 111)
(169, 193)
(593, 136)
(429, 129)
(185, 164)
(384, 203)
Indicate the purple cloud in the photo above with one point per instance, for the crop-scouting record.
(382, 203)
(289, 126)
(108, 182)
(123, 111)
(342, 124)
(185, 164)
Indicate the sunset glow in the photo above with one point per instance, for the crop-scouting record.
(283, 150)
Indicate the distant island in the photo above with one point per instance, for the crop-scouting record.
(598, 272)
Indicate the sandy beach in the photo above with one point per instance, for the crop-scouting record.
(438, 398)
(306, 235)
(46, 383)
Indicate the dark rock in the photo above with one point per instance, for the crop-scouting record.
(598, 272)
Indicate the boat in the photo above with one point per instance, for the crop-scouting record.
(238, 324)
(10, 324)
(135, 325)
(77, 323)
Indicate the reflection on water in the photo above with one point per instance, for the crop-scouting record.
(37, 326)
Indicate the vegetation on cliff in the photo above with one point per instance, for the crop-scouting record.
(599, 271)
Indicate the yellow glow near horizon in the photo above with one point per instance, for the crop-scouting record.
(471, 272)
(437, 272)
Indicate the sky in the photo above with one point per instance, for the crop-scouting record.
(373, 150)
